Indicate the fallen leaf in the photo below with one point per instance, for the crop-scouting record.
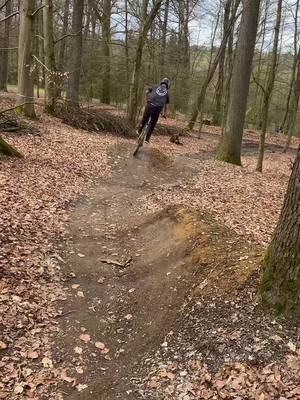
(32, 355)
(81, 387)
(64, 376)
(291, 346)
(3, 345)
(47, 363)
(76, 286)
(100, 345)
(79, 370)
(85, 338)
(78, 350)
(105, 351)
(18, 389)
(80, 293)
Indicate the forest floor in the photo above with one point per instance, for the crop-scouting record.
(136, 278)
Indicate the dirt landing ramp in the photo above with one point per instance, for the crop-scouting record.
(129, 277)
(131, 309)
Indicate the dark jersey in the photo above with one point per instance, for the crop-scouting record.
(158, 96)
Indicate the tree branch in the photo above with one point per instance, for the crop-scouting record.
(8, 48)
(67, 35)
(15, 107)
(9, 16)
(3, 5)
(37, 10)
(258, 83)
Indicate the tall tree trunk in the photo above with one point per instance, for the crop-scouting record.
(280, 280)
(72, 96)
(220, 84)
(257, 96)
(267, 95)
(231, 142)
(25, 73)
(164, 39)
(211, 71)
(292, 114)
(229, 67)
(4, 43)
(50, 73)
(147, 20)
(284, 121)
(126, 44)
(106, 38)
(62, 46)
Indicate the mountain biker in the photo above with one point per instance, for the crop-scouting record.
(157, 103)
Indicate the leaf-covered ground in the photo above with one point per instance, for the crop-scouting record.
(61, 164)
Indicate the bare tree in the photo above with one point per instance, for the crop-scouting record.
(294, 67)
(62, 42)
(50, 69)
(25, 72)
(72, 96)
(198, 106)
(221, 72)
(106, 38)
(268, 90)
(293, 108)
(4, 44)
(231, 141)
(146, 21)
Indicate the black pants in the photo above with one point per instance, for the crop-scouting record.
(151, 114)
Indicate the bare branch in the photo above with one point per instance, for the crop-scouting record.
(8, 48)
(68, 35)
(258, 83)
(37, 10)
(3, 5)
(15, 107)
(9, 16)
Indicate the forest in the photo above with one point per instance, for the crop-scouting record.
(149, 266)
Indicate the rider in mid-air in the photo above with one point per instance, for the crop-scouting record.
(157, 101)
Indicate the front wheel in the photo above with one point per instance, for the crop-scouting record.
(140, 142)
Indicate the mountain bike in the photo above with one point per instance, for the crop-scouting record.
(142, 137)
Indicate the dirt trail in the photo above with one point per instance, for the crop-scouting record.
(130, 309)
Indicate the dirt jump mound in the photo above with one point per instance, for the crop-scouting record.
(122, 153)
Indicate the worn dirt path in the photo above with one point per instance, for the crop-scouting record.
(131, 309)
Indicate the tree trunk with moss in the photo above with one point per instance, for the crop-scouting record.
(25, 72)
(8, 150)
(231, 141)
(280, 280)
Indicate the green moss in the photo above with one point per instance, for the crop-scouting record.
(50, 109)
(228, 157)
(9, 150)
(190, 126)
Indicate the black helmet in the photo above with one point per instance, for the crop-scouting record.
(166, 82)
